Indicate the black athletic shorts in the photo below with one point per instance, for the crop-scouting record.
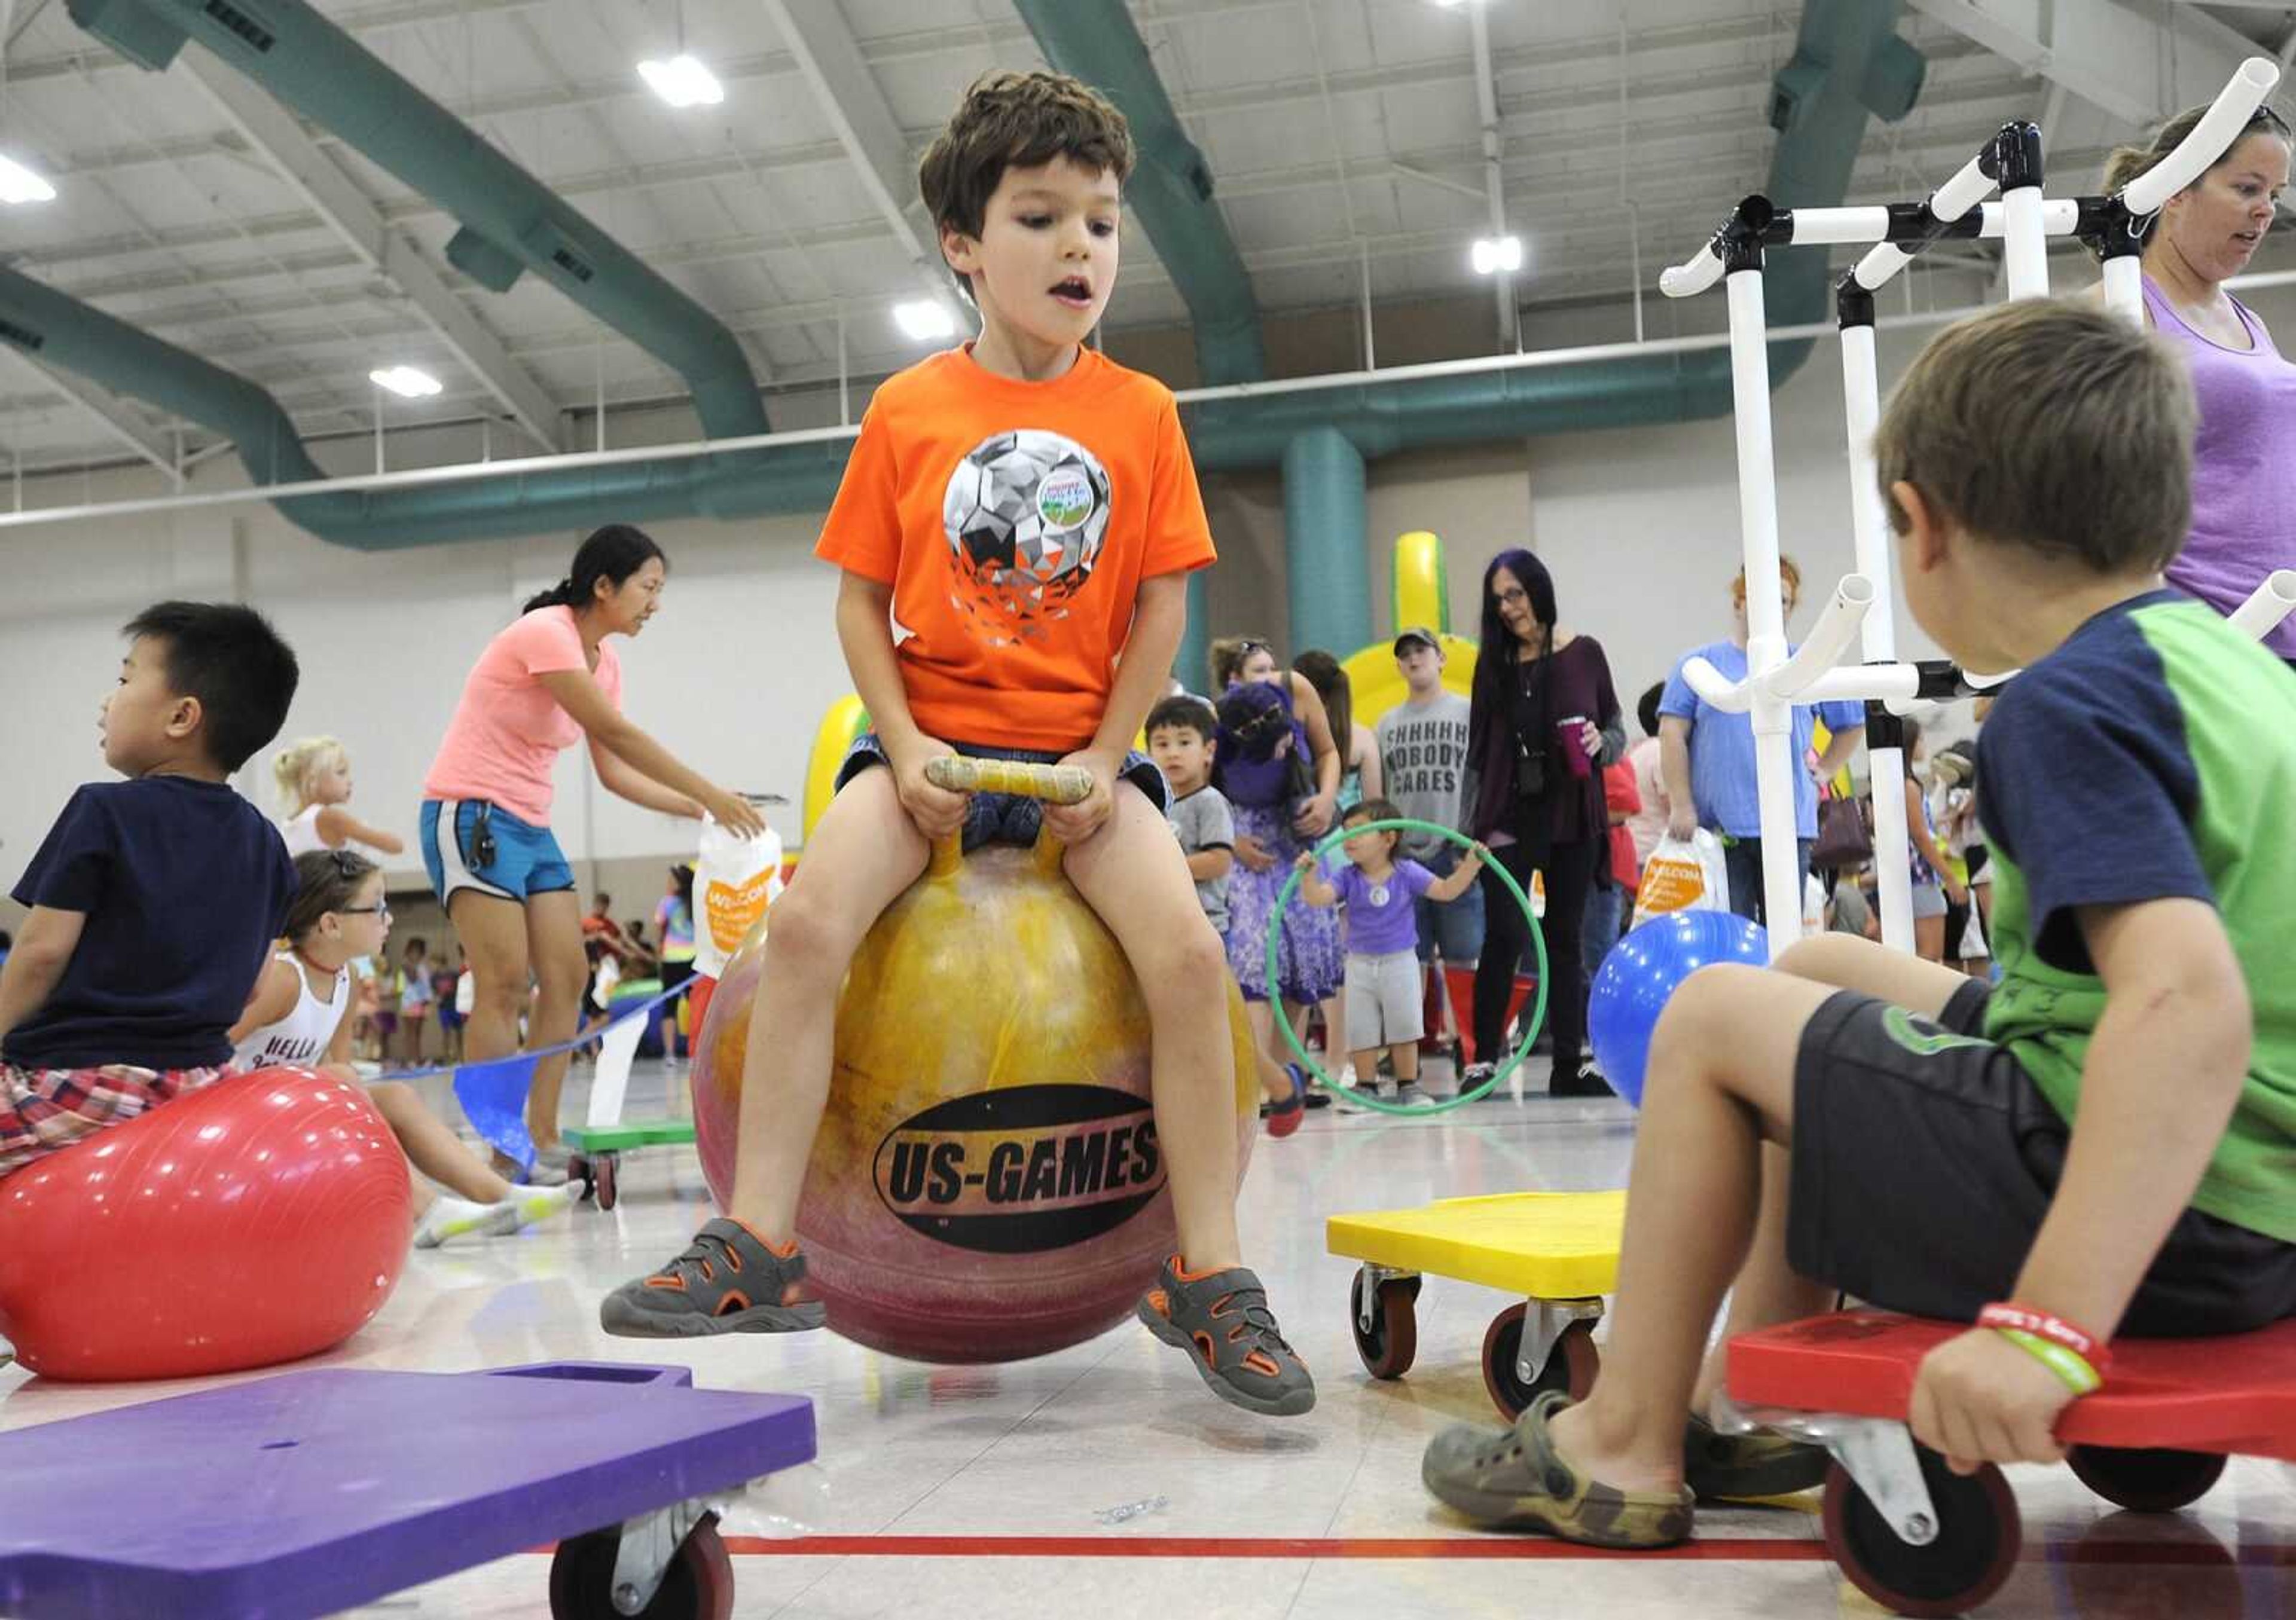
(1925, 1159)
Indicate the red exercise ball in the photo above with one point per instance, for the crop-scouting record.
(259, 1220)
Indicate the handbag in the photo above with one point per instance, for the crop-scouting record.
(1529, 770)
(1528, 713)
(1843, 838)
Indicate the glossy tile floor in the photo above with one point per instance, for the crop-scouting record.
(1117, 1443)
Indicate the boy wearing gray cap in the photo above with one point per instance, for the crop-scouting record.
(1422, 756)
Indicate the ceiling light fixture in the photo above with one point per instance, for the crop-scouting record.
(924, 320)
(1493, 254)
(683, 82)
(405, 381)
(20, 184)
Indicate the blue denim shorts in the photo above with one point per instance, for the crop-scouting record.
(1454, 928)
(1007, 818)
(472, 843)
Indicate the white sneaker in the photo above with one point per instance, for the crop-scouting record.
(1386, 1091)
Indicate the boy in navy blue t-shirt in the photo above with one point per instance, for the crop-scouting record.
(154, 900)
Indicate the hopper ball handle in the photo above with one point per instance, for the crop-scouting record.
(1054, 784)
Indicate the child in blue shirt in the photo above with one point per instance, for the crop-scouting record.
(154, 900)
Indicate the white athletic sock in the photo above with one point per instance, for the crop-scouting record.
(450, 1217)
(529, 1205)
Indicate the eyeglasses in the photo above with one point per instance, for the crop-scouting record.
(378, 909)
(1514, 595)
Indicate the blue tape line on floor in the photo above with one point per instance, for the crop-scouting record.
(635, 1010)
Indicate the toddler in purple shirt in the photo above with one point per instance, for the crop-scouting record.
(1383, 1008)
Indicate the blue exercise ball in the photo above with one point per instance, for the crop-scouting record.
(1641, 973)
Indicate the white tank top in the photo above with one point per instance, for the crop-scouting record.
(301, 1039)
(301, 832)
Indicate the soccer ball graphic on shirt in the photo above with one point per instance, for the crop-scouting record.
(1025, 513)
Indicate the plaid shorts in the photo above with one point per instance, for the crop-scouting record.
(45, 1110)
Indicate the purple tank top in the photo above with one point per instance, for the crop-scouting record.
(1244, 780)
(2244, 466)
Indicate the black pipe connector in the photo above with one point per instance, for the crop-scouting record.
(1739, 243)
(2013, 156)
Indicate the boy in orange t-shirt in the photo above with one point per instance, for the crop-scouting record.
(1027, 511)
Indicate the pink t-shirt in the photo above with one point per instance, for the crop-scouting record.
(1647, 825)
(505, 738)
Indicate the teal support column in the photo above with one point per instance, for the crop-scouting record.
(1326, 544)
(1192, 664)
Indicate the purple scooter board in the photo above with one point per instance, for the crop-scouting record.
(313, 1492)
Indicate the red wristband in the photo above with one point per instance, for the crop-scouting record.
(2055, 1330)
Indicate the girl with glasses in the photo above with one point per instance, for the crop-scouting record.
(301, 1017)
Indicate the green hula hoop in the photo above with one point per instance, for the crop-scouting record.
(1333, 839)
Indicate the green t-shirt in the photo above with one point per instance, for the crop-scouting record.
(2151, 756)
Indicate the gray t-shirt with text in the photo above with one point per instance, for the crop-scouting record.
(1422, 759)
(1203, 822)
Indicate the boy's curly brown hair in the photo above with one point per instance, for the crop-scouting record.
(1017, 120)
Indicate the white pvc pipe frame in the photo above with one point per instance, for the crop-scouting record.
(1775, 681)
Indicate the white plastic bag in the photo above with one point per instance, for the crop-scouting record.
(1683, 875)
(1973, 944)
(609, 1082)
(734, 879)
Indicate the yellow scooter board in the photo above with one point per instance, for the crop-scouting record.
(1558, 1251)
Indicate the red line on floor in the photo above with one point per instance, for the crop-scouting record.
(2251, 1555)
(1744, 1549)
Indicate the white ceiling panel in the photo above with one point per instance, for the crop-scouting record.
(1339, 132)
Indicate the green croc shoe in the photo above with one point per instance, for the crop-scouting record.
(1514, 1479)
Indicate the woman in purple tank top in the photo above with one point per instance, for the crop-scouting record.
(2244, 459)
(1272, 827)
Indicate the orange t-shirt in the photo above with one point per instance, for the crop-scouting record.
(1014, 523)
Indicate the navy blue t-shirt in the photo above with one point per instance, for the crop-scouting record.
(184, 886)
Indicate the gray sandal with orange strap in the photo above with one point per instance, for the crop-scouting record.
(1221, 1318)
(728, 1281)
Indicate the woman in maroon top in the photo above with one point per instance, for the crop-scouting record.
(1545, 721)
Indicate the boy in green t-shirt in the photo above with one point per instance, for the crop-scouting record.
(1853, 1120)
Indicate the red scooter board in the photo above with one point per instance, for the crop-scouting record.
(2233, 1396)
(1920, 1540)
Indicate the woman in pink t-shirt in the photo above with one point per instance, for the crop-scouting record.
(540, 687)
